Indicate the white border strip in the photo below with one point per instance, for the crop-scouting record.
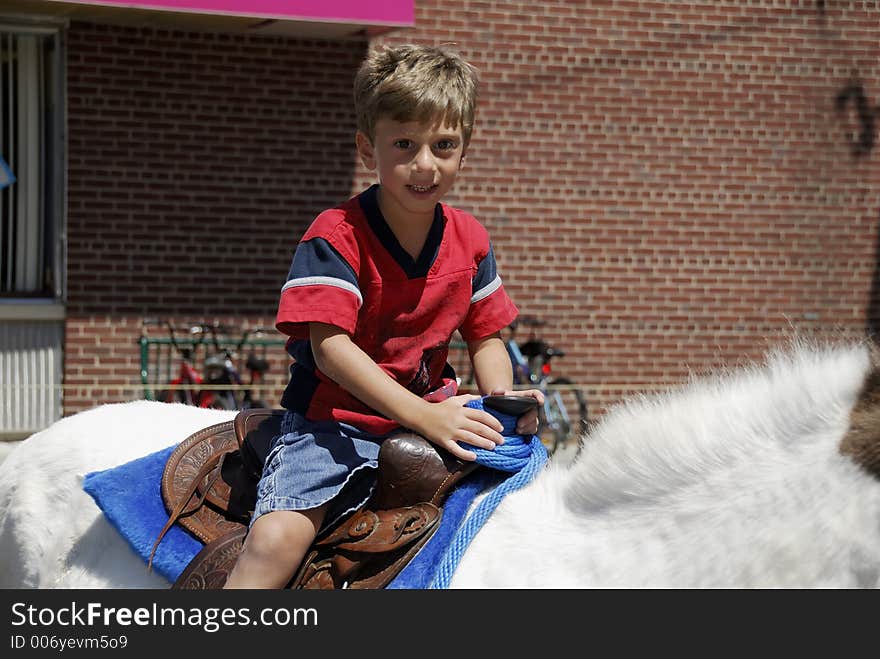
(487, 290)
(325, 281)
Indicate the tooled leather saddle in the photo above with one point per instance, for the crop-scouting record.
(209, 488)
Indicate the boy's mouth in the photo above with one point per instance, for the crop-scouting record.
(422, 189)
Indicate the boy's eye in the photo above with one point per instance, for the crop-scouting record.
(403, 144)
(446, 145)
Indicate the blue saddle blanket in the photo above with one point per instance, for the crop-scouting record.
(130, 497)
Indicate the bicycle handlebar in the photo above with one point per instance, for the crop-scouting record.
(203, 329)
(528, 321)
(246, 334)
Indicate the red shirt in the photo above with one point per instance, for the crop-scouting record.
(350, 271)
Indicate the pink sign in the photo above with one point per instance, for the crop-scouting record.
(387, 12)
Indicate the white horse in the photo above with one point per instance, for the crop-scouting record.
(766, 476)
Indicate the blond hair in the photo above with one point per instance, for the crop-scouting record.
(415, 83)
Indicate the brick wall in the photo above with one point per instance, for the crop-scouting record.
(196, 161)
(670, 185)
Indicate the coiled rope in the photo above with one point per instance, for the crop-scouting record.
(520, 455)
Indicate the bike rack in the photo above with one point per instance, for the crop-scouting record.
(159, 359)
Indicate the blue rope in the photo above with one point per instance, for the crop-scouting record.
(523, 457)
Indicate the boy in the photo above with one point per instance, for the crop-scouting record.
(376, 290)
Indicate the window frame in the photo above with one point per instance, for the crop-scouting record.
(50, 306)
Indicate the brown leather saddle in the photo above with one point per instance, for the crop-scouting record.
(209, 488)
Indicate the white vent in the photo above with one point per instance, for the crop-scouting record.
(30, 376)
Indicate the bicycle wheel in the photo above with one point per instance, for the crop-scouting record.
(175, 396)
(224, 400)
(166, 396)
(249, 404)
(554, 426)
(583, 421)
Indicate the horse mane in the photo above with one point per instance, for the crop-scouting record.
(798, 399)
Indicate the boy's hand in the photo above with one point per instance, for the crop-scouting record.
(448, 422)
(527, 424)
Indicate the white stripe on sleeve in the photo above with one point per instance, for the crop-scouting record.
(487, 290)
(325, 281)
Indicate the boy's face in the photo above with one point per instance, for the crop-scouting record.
(416, 165)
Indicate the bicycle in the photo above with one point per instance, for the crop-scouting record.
(220, 370)
(531, 362)
(186, 387)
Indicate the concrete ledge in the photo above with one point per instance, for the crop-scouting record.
(35, 310)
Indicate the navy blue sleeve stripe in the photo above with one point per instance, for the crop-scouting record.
(486, 281)
(316, 262)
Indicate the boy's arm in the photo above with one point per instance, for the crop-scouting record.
(492, 368)
(443, 423)
(493, 373)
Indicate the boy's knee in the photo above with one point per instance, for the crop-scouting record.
(275, 534)
(282, 530)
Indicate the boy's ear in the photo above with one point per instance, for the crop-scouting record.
(365, 150)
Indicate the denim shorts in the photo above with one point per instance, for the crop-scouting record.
(313, 462)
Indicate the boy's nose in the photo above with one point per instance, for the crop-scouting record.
(424, 160)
